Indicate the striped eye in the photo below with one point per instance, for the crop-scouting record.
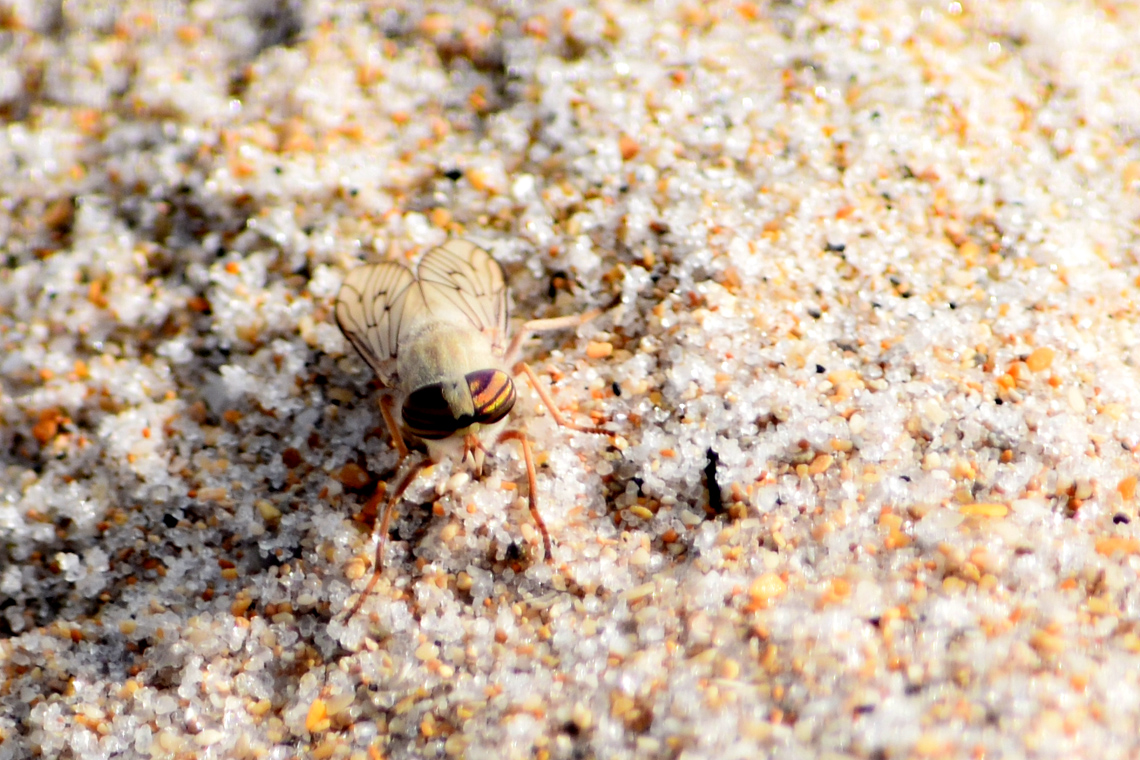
(493, 394)
(428, 415)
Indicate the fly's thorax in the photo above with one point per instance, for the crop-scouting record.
(437, 351)
(453, 383)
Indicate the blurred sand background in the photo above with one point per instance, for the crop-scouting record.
(871, 374)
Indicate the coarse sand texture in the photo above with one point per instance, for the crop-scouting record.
(867, 357)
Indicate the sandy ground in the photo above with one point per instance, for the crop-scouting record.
(868, 358)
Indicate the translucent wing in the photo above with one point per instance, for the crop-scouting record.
(460, 281)
(370, 310)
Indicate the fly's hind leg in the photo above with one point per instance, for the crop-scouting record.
(546, 325)
(383, 519)
(524, 369)
(380, 531)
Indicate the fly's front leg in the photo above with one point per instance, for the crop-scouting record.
(382, 519)
(532, 488)
(387, 401)
(380, 529)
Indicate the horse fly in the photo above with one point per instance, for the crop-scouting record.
(437, 340)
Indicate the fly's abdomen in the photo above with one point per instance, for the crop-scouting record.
(428, 414)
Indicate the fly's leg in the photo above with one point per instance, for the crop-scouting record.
(382, 520)
(381, 531)
(386, 402)
(545, 325)
(548, 402)
(532, 488)
(532, 378)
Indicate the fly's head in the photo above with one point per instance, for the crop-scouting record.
(460, 408)
(455, 407)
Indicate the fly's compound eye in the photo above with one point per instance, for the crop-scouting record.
(428, 415)
(493, 393)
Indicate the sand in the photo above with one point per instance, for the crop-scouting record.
(868, 359)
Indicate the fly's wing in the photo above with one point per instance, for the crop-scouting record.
(370, 310)
(459, 281)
